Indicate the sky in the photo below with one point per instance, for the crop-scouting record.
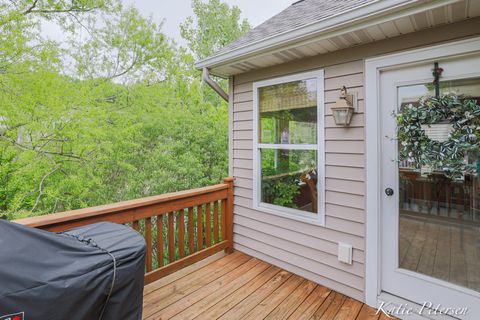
(176, 11)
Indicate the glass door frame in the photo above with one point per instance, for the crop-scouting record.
(398, 269)
(408, 284)
(374, 191)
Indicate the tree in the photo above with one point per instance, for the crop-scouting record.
(214, 26)
(124, 47)
(23, 48)
(116, 112)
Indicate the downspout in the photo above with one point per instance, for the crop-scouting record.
(212, 84)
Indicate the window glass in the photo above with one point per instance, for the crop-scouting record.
(288, 113)
(439, 217)
(289, 178)
(287, 147)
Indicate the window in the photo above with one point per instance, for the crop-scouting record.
(289, 146)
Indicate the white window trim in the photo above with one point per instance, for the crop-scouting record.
(290, 213)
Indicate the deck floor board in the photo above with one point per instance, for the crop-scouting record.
(237, 286)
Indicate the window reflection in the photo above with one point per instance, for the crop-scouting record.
(289, 178)
(288, 117)
(288, 113)
(440, 218)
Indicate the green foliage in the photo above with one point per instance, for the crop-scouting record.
(23, 47)
(281, 192)
(447, 156)
(126, 47)
(280, 186)
(115, 113)
(215, 25)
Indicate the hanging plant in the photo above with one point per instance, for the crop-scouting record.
(449, 155)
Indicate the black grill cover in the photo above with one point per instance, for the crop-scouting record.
(69, 275)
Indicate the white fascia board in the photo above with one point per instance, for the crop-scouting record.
(355, 19)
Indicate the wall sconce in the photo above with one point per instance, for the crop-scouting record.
(343, 110)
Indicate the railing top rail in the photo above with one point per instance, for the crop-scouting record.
(83, 214)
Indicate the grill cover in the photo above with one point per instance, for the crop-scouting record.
(69, 275)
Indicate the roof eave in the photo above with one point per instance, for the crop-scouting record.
(352, 20)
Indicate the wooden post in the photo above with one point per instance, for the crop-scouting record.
(229, 214)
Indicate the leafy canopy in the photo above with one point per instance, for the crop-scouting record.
(117, 111)
(214, 26)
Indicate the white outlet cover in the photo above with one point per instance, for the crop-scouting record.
(345, 252)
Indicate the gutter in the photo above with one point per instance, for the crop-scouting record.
(371, 14)
(212, 84)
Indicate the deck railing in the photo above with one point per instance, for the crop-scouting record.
(180, 228)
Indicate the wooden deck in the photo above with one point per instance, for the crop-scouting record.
(446, 250)
(237, 286)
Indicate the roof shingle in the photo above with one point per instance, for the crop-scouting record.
(299, 14)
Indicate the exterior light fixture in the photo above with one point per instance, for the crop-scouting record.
(343, 110)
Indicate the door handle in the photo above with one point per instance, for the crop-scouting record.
(389, 192)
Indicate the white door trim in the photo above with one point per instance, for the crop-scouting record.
(373, 67)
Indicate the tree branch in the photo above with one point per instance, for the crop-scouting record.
(43, 152)
(40, 188)
(32, 7)
(68, 10)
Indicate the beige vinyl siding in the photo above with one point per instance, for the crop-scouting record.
(302, 248)
(309, 249)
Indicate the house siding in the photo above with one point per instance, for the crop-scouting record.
(302, 248)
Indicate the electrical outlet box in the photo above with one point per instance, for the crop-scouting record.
(345, 252)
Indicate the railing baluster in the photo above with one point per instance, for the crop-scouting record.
(199, 227)
(215, 221)
(181, 233)
(136, 225)
(208, 225)
(223, 218)
(191, 232)
(171, 237)
(148, 240)
(160, 251)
